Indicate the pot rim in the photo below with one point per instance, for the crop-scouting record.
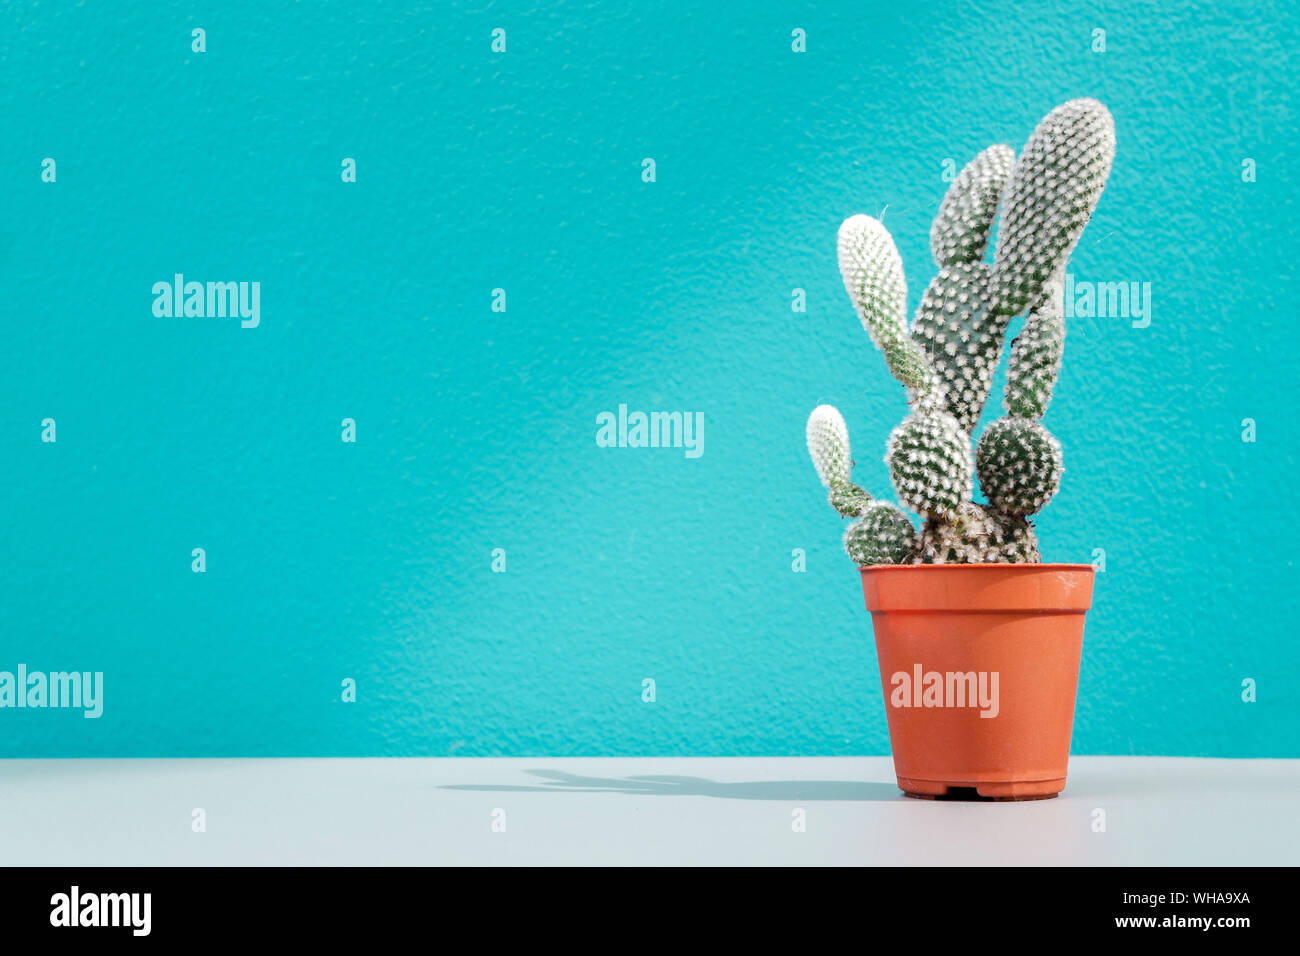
(977, 588)
(982, 565)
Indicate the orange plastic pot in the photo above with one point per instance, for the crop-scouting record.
(980, 663)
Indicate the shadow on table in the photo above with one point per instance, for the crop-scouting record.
(557, 781)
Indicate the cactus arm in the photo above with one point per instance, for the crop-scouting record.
(828, 446)
(1036, 359)
(1053, 190)
(883, 536)
(873, 276)
(930, 462)
(1019, 464)
(961, 338)
(960, 232)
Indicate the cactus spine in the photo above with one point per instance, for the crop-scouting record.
(948, 355)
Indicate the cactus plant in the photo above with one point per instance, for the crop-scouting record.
(947, 357)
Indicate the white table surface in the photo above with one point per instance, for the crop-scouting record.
(629, 810)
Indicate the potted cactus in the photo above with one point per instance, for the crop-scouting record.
(978, 641)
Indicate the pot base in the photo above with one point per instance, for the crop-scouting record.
(1016, 790)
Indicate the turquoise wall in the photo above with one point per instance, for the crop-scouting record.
(476, 429)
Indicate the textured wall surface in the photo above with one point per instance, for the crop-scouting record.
(476, 429)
